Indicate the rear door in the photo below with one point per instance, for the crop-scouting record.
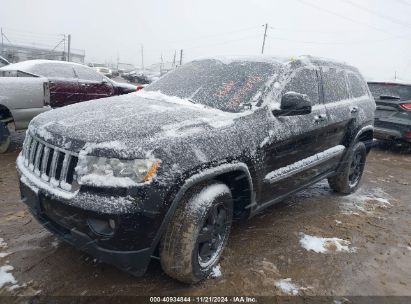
(93, 84)
(340, 107)
(63, 83)
(306, 140)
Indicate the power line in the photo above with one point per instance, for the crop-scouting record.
(225, 42)
(385, 17)
(404, 2)
(313, 30)
(32, 33)
(216, 35)
(336, 42)
(342, 16)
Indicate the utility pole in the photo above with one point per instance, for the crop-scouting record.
(68, 47)
(2, 42)
(174, 59)
(63, 57)
(118, 59)
(265, 36)
(142, 57)
(181, 57)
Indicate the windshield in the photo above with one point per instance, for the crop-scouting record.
(388, 89)
(212, 83)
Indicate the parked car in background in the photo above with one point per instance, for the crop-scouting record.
(3, 62)
(19, 103)
(167, 169)
(68, 82)
(104, 71)
(393, 112)
(137, 77)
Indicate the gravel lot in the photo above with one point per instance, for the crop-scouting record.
(265, 255)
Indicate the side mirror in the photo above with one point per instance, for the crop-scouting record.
(293, 103)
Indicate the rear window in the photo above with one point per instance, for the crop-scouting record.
(334, 83)
(14, 74)
(390, 89)
(356, 85)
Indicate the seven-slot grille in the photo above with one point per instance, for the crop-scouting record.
(53, 165)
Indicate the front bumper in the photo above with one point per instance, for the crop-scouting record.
(129, 248)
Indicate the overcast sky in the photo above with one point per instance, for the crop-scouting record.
(374, 35)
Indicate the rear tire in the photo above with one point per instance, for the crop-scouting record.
(4, 138)
(347, 180)
(196, 235)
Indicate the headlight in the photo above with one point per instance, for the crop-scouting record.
(114, 172)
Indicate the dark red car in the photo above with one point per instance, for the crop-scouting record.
(69, 82)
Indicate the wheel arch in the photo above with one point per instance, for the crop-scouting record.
(5, 114)
(366, 135)
(235, 175)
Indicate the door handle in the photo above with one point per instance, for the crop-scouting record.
(354, 109)
(320, 118)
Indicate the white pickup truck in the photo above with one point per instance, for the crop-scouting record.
(21, 99)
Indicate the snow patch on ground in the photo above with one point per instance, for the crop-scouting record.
(6, 277)
(3, 244)
(366, 201)
(287, 287)
(325, 245)
(216, 272)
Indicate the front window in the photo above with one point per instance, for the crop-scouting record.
(224, 86)
(86, 73)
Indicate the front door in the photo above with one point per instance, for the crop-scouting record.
(93, 84)
(288, 163)
(63, 83)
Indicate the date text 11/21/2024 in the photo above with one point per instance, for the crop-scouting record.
(203, 299)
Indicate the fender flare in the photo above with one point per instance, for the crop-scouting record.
(11, 118)
(351, 144)
(204, 175)
(361, 131)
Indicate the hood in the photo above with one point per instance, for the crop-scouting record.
(127, 124)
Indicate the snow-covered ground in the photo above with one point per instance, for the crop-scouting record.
(325, 245)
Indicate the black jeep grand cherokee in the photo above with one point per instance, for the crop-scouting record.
(165, 170)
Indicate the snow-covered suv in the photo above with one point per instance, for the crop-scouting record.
(166, 170)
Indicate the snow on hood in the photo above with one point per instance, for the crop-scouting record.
(133, 121)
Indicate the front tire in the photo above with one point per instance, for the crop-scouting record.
(4, 138)
(196, 235)
(347, 180)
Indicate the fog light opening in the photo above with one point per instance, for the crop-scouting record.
(102, 226)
